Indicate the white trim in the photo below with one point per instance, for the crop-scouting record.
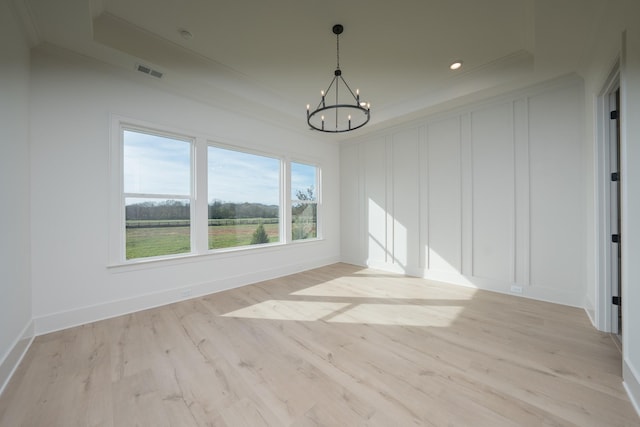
(591, 314)
(317, 202)
(603, 307)
(16, 353)
(568, 298)
(285, 201)
(23, 11)
(170, 260)
(199, 211)
(631, 385)
(79, 316)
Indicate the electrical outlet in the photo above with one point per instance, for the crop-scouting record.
(516, 289)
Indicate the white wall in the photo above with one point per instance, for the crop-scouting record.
(617, 41)
(72, 100)
(15, 286)
(490, 195)
(630, 180)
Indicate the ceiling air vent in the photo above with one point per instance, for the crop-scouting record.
(149, 70)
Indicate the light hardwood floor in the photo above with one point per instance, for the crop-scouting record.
(335, 346)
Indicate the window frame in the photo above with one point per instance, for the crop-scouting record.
(317, 202)
(281, 198)
(199, 214)
(191, 197)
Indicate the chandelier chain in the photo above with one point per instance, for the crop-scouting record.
(338, 51)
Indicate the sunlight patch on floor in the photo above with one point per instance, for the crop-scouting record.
(372, 287)
(288, 310)
(365, 313)
(399, 315)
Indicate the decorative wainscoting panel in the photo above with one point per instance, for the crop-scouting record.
(491, 195)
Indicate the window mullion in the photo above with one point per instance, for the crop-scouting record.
(200, 212)
(286, 202)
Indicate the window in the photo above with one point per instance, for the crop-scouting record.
(244, 198)
(157, 194)
(304, 201)
(176, 195)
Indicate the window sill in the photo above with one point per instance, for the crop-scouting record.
(146, 263)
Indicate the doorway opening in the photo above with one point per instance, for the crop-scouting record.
(609, 306)
(615, 218)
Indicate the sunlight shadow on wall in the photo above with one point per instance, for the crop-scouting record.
(401, 245)
(377, 230)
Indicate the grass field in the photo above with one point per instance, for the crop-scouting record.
(228, 236)
(157, 241)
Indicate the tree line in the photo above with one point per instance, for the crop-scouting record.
(178, 209)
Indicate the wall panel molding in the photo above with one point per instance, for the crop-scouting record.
(492, 194)
(488, 214)
(522, 253)
(466, 195)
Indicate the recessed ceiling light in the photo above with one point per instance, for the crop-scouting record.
(456, 65)
(186, 34)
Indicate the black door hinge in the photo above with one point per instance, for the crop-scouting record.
(613, 115)
(615, 176)
(615, 300)
(615, 238)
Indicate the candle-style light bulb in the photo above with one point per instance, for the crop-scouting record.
(349, 121)
(322, 117)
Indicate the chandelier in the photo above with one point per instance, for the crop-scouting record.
(339, 109)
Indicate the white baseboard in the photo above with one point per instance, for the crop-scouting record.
(591, 313)
(80, 316)
(589, 308)
(14, 356)
(571, 299)
(631, 384)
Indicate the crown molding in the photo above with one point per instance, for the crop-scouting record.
(25, 14)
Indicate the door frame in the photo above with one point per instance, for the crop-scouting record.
(604, 247)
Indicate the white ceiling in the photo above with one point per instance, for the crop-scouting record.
(280, 54)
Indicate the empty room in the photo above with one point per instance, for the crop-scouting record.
(293, 213)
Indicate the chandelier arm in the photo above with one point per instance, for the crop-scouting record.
(321, 103)
(350, 91)
(326, 92)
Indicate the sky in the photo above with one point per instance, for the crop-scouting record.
(160, 165)
(155, 164)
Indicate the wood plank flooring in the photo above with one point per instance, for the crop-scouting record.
(335, 346)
